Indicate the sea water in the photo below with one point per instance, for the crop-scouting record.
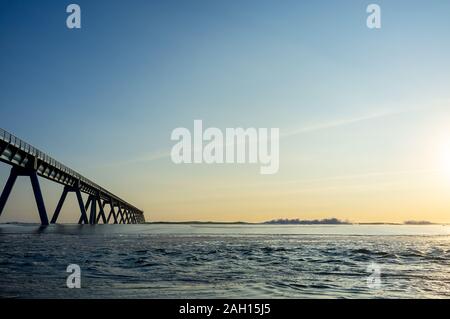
(225, 261)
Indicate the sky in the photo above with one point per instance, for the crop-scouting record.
(364, 114)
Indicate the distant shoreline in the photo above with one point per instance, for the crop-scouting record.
(271, 223)
(288, 224)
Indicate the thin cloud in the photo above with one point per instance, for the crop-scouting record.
(349, 177)
(153, 156)
(365, 175)
(338, 123)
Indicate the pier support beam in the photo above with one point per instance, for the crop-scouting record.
(93, 214)
(112, 212)
(102, 211)
(121, 221)
(128, 216)
(19, 171)
(91, 203)
(76, 190)
(84, 219)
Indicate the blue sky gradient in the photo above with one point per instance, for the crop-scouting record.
(104, 99)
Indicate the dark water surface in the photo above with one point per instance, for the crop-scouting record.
(230, 261)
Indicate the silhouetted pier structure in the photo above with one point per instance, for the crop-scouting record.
(27, 160)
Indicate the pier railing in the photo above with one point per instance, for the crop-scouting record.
(28, 160)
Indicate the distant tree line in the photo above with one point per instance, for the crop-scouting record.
(417, 222)
(296, 221)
